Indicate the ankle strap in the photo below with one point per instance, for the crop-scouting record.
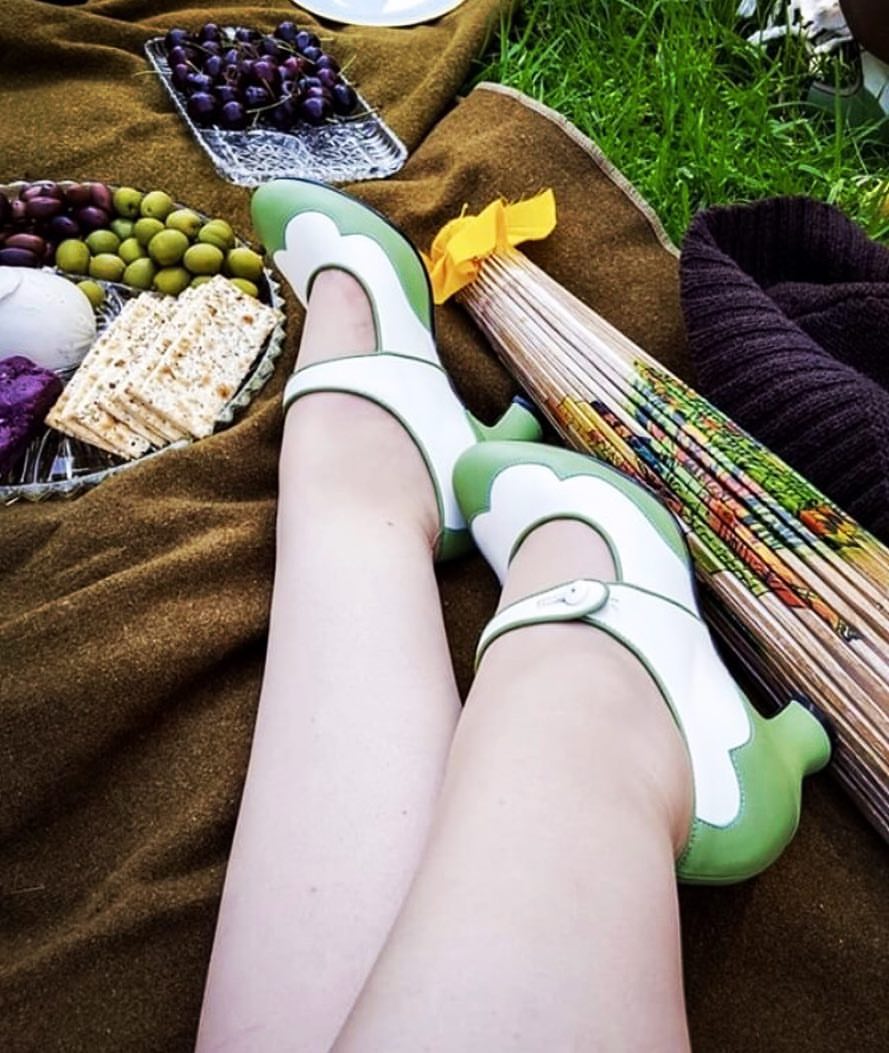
(563, 603)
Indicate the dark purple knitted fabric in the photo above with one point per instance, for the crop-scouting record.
(786, 304)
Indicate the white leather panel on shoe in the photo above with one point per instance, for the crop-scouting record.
(679, 652)
(398, 328)
(419, 394)
(528, 493)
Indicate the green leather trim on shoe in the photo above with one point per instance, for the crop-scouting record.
(770, 767)
(517, 424)
(478, 468)
(274, 204)
(451, 544)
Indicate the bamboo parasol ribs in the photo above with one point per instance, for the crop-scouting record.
(798, 591)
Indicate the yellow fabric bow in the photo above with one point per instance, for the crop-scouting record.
(460, 246)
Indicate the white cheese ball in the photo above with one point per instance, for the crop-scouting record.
(44, 317)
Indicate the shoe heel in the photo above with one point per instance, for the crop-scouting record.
(801, 737)
(519, 423)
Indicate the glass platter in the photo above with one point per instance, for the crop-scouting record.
(345, 150)
(57, 466)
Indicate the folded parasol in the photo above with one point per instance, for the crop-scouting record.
(797, 590)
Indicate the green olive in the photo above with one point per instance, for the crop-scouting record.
(203, 259)
(167, 247)
(156, 205)
(126, 201)
(102, 241)
(246, 287)
(130, 250)
(217, 232)
(140, 273)
(172, 280)
(123, 228)
(145, 229)
(107, 266)
(186, 220)
(73, 256)
(93, 292)
(244, 263)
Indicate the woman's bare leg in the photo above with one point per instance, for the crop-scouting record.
(544, 913)
(356, 715)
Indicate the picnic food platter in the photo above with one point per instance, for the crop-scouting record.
(130, 366)
(272, 105)
(163, 356)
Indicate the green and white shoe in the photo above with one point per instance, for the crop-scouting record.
(747, 770)
(308, 227)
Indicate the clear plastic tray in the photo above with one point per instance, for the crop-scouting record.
(56, 466)
(346, 150)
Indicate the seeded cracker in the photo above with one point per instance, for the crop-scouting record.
(142, 333)
(125, 400)
(164, 369)
(203, 367)
(117, 359)
(74, 389)
(65, 414)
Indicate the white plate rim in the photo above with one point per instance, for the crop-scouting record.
(334, 11)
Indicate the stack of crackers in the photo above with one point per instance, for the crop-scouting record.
(164, 369)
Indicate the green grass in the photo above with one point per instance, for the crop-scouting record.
(689, 111)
